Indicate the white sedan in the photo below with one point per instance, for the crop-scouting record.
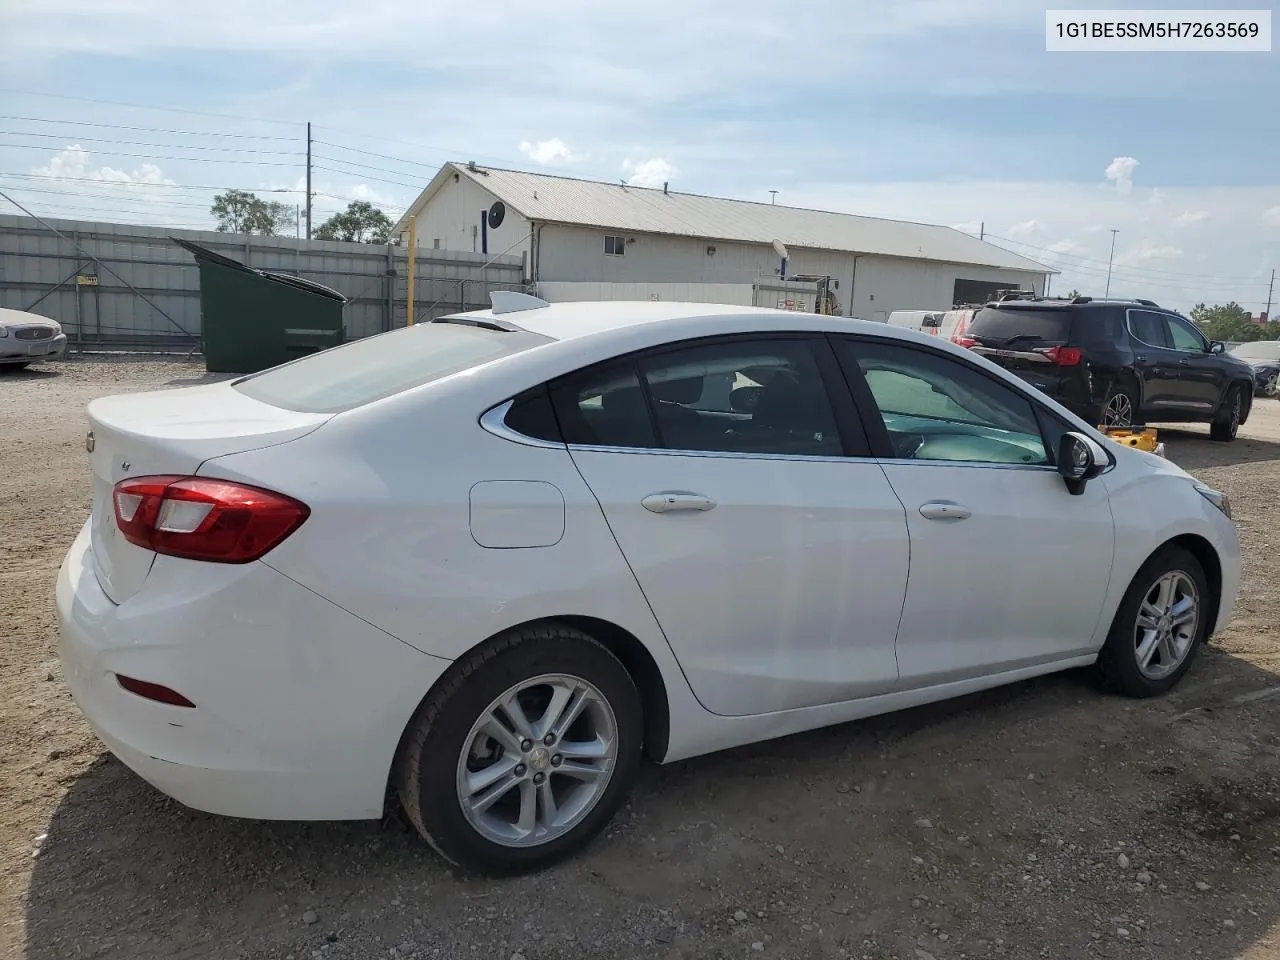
(29, 338)
(491, 561)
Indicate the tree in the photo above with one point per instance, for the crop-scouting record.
(361, 222)
(239, 211)
(1073, 294)
(1231, 322)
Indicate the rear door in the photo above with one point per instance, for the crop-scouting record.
(774, 560)
(1159, 367)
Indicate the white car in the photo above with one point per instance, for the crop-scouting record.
(29, 338)
(493, 560)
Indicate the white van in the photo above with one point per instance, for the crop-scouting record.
(949, 324)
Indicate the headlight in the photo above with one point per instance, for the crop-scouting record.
(4, 331)
(1216, 497)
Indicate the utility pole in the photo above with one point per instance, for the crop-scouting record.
(773, 197)
(1271, 286)
(982, 230)
(1114, 231)
(308, 179)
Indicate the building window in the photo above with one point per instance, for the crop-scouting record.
(614, 246)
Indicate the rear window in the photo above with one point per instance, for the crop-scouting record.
(1000, 323)
(366, 370)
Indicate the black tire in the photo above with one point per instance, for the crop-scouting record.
(15, 366)
(1120, 398)
(427, 766)
(1226, 422)
(1117, 667)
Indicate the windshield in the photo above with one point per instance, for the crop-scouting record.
(1258, 350)
(376, 367)
(1001, 323)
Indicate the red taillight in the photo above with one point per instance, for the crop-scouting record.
(204, 519)
(1063, 356)
(965, 341)
(153, 691)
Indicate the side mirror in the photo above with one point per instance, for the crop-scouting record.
(1217, 346)
(1079, 461)
(744, 399)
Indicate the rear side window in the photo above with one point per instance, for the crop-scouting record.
(1149, 327)
(366, 370)
(1030, 326)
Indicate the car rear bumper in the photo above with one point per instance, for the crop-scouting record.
(13, 350)
(299, 706)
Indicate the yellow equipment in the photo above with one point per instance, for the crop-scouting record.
(1144, 438)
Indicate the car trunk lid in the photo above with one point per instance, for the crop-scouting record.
(168, 432)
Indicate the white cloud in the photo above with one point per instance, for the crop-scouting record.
(547, 152)
(74, 162)
(649, 173)
(968, 226)
(1026, 228)
(1120, 172)
(1189, 217)
(1228, 257)
(1271, 216)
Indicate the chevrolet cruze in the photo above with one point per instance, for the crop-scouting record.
(484, 565)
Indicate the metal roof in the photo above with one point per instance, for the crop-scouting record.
(613, 206)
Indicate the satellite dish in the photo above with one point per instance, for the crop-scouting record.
(496, 213)
(780, 250)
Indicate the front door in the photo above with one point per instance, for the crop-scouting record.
(775, 564)
(1008, 569)
(1202, 374)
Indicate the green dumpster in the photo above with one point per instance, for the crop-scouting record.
(254, 319)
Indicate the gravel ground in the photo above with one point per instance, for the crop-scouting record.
(1040, 820)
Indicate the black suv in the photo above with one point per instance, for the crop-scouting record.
(1116, 362)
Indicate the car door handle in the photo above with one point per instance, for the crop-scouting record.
(1184, 362)
(670, 500)
(944, 510)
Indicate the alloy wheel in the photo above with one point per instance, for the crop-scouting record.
(537, 760)
(1271, 385)
(1167, 625)
(1118, 411)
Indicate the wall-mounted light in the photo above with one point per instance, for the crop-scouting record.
(711, 251)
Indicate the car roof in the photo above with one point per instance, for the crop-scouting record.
(623, 319)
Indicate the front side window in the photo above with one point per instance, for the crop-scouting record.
(1184, 336)
(938, 408)
(734, 397)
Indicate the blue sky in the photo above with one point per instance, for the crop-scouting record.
(943, 111)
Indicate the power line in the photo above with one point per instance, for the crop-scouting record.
(351, 173)
(185, 133)
(48, 178)
(381, 156)
(143, 143)
(44, 147)
(104, 196)
(424, 146)
(143, 106)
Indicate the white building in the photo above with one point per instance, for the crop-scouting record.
(587, 240)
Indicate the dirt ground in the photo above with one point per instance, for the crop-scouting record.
(1041, 820)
